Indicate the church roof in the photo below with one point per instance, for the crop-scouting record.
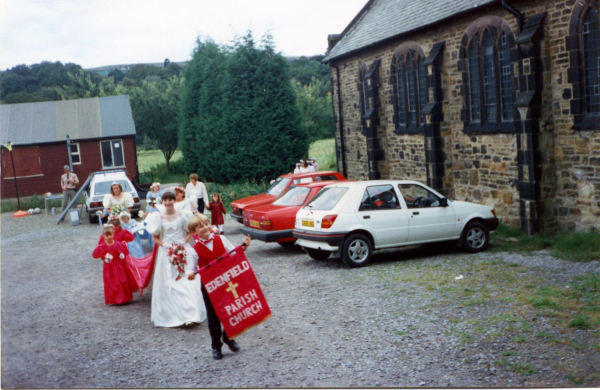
(380, 20)
(46, 122)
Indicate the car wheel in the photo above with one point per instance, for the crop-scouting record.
(287, 244)
(357, 250)
(318, 254)
(476, 237)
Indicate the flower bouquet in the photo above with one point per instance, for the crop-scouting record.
(178, 257)
(116, 210)
(108, 258)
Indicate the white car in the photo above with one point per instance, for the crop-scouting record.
(351, 219)
(100, 186)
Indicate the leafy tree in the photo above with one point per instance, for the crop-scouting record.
(82, 85)
(304, 69)
(140, 72)
(155, 106)
(316, 111)
(117, 75)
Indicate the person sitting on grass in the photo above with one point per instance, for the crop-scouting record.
(209, 247)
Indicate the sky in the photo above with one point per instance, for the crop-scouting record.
(95, 33)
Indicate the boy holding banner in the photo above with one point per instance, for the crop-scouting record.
(210, 247)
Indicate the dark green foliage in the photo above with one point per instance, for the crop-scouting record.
(316, 111)
(202, 104)
(239, 109)
(37, 82)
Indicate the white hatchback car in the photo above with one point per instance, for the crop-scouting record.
(100, 186)
(352, 219)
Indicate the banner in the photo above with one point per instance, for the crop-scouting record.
(235, 293)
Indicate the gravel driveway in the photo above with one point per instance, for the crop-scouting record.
(382, 325)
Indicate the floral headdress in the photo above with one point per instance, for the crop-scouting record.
(155, 184)
(124, 214)
(180, 188)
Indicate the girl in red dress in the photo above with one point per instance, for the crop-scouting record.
(117, 287)
(217, 211)
(123, 236)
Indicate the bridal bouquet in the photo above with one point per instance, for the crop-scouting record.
(177, 257)
(108, 258)
(116, 210)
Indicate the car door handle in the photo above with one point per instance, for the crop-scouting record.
(415, 213)
(366, 216)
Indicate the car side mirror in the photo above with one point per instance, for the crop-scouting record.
(444, 202)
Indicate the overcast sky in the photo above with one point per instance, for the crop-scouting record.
(94, 33)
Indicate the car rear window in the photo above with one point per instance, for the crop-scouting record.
(293, 197)
(325, 177)
(327, 198)
(278, 186)
(103, 187)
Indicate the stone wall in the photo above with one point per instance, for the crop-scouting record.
(484, 168)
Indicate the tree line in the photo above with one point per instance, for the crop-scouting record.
(238, 112)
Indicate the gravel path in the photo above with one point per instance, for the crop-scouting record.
(331, 326)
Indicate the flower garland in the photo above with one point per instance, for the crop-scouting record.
(177, 256)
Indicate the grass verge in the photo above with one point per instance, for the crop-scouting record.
(578, 246)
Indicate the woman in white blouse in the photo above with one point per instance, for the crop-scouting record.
(182, 202)
(196, 191)
(117, 197)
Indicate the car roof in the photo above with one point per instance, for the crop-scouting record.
(100, 177)
(321, 183)
(309, 174)
(374, 182)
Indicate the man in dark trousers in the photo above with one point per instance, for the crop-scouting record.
(68, 182)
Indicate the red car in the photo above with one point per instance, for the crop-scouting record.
(275, 222)
(278, 187)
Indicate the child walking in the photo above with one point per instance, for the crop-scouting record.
(117, 288)
(210, 247)
(217, 211)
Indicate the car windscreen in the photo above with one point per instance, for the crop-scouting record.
(103, 187)
(327, 198)
(278, 186)
(293, 197)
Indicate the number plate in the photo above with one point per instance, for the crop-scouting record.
(308, 223)
(255, 224)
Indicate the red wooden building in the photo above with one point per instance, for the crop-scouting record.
(101, 133)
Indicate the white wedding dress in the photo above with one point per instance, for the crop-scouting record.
(174, 302)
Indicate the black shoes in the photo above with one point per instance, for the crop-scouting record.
(217, 354)
(233, 346)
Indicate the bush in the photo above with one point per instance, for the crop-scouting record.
(31, 202)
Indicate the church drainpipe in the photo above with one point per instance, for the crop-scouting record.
(515, 13)
(341, 122)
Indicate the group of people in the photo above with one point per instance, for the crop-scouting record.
(306, 165)
(174, 216)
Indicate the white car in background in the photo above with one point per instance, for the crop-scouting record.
(351, 219)
(100, 186)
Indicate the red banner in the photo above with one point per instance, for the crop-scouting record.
(235, 293)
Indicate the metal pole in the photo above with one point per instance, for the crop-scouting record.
(69, 153)
(15, 177)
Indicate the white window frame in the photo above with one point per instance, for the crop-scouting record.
(78, 153)
(112, 154)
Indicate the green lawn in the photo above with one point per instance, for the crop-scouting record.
(324, 151)
(149, 158)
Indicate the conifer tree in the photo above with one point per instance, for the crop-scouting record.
(246, 125)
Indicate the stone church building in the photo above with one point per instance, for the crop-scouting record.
(489, 101)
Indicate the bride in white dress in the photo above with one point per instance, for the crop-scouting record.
(174, 302)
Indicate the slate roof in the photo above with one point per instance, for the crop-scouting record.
(45, 122)
(383, 19)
